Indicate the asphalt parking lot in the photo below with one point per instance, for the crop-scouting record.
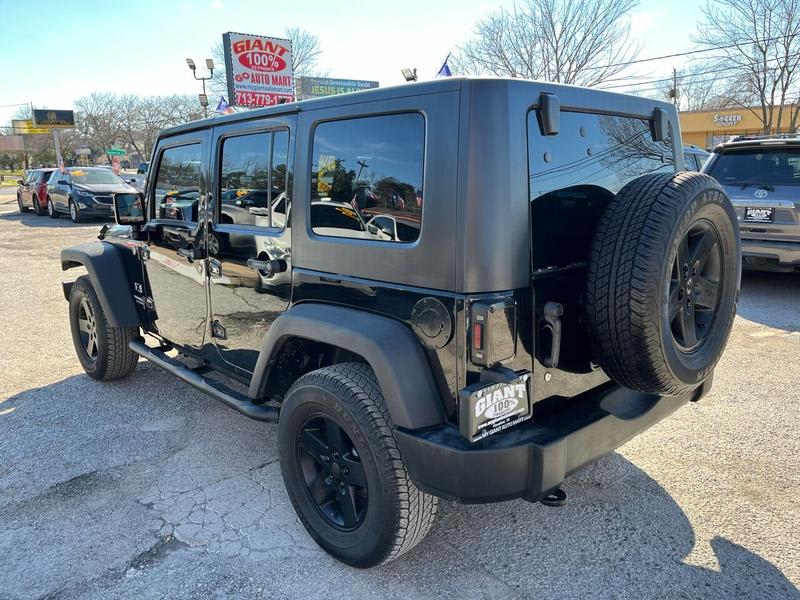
(145, 488)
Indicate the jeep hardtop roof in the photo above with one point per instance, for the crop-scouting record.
(571, 98)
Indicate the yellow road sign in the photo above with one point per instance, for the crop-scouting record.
(25, 127)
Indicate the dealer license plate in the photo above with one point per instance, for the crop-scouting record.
(759, 214)
(487, 409)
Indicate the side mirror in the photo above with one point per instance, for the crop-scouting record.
(129, 209)
(20, 182)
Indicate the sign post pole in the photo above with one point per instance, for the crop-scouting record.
(57, 145)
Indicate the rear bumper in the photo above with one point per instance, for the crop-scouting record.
(770, 255)
(533, 459)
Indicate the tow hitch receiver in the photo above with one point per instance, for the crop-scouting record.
(556, 497)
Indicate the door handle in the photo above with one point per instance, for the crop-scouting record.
(267, 266)
(190, 252)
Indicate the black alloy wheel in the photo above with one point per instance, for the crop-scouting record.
(87, 326)
(695, 283)
(331, 468)
(343, 470)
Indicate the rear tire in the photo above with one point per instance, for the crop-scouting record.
(663, 282)
(22, 207)
(102, 349)
(51, 209)
(343, 470)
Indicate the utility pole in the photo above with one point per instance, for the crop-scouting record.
(675, 87)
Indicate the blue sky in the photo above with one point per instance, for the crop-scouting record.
(55, 52)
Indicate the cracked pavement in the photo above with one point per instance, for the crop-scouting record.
(145, 488)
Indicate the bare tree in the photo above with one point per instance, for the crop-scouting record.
(306, 51)
(144, 117)
(582, 43)
(100, 121)
(758, 38)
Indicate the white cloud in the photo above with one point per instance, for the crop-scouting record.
(217, 5)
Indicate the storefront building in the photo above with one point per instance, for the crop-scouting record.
(707, 128)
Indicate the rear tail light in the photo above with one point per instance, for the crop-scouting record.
(493, 331)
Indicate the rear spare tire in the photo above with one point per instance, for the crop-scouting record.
(663, 282)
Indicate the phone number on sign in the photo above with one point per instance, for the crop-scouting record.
(255, 99)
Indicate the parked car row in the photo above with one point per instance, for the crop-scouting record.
(80, 192)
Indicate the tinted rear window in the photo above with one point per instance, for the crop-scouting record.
(574, 174)
(600, 150)
(757, 166)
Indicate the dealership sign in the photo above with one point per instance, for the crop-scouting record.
(727, 120)
(258, 69)
(316, 87)
(53, 119)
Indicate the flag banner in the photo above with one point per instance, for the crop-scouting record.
(444, 71)
(223, 107)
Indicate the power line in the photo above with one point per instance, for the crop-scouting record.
(689, 52)
(648, 83)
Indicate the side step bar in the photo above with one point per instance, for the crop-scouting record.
(238, 402)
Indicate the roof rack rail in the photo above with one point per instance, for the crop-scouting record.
(769, 136)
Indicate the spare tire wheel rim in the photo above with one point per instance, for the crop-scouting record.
(695, 286)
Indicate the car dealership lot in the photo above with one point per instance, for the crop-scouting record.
(145, 488)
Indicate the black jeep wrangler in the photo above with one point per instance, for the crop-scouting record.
(465, 288)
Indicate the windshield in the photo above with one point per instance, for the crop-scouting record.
(757, 166)
(94, 176)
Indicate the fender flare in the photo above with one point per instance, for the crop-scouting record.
(106, 269)
(390, 348)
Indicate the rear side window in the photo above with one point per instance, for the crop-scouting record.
(177, 183)
(757, 166)
(365, 168)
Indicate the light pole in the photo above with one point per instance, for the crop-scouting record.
(409, 74)
(203, 96)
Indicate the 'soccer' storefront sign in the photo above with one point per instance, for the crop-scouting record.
(258, 69)
(727, 120)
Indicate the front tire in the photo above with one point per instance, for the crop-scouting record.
(102, 349)
(74, 213)
(343, 470)
(37, 207)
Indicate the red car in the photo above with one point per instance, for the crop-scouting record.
(32, 192)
